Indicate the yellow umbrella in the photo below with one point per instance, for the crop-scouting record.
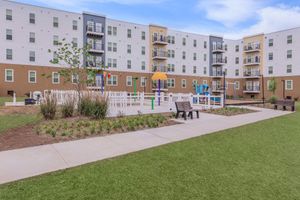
(159, 76)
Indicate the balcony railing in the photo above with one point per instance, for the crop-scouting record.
(219, 61)
(96, 48)
(252, 73)
(160, 55)
(160, 39)
(251, 89)
(94, 64)
(217, 73)
(218, 48)
(97, 30)
(252, 61)
(252, 47)
(159, 68)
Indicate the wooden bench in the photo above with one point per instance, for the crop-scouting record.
(186, 109)
(285, 103)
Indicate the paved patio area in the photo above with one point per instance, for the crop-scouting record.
(23, 163)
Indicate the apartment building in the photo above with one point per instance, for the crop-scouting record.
(133, 52)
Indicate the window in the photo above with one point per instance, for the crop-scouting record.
(289, 54)
(194, 69)
(288, 85)
(55, 78)
(9, 75)
(55, 57)
(270, 70)
(225, 47)
(237, 60)
(183, 55)
(237, 48)
(75, 25)
(195, 43)
(271, 56)
(195, 82)
(237, 85)
(143, 50)
(195, 56)
(112, 81)
(143, 35)
(128, 80)
(55, 22)
(109, 46)
(114, 63)
(143, 81)
(115, 30)
(171, 39)
(129, 49)
(205, 57)
(109, 30)
(225, 71)
(183, 69)
(171, 83)
(183, 41)
(9, 54)
(75, 42)
(9, 14)
(271, 42)
(31, 56)
(129, 33)
(171, 53)
(171, 68)
(31, 76)
(237, 72)
(32, 37)
(109, 62)
(205, 44)
(183, 83)
(143, 65)
(289, 39)
(205, 82)
(128, 64)
(31, 18)
(55, 40)
(75, 78)
(204, 70)
(8, 34)
(289, 69)
(114, 47)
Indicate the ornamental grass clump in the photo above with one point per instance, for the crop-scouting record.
(67, 109)
(48, 107)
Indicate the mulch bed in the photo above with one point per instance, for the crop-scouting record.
(27, 137)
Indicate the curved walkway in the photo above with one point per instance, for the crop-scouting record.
(23, 163)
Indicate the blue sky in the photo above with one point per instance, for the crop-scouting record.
(229, 18)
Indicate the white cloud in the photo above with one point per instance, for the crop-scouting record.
(230, 12)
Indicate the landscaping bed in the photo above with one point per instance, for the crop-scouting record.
(60, 130)
(229, 111)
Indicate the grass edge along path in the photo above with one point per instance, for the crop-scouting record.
(256, 161)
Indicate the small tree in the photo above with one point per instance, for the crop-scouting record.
(272, 85)
(71, 57)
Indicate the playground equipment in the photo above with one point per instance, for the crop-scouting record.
(205, 90)
(159, 76)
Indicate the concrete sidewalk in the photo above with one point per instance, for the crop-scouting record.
(32, 161)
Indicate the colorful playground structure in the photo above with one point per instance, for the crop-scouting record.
(204, 90)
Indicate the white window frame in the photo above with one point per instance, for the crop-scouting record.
(286, 84)
(112, 82)
(29, 72)
(183, 83)
(171, 80)
(57, 78)
(12, 76)
(143, 81)
(237, 85)
(129, 81)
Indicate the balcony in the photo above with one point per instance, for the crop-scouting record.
(94, 63)
(252, 61)
(254, 47)
(159, 40)
(252, 74)
(217, 74)
(217, 88)
(160, 55)
(218, 61)
(96, 48)
(252, 89)
(156, 68)
(95, 31)
(218, 49)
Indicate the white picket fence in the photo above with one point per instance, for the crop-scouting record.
(125, 101)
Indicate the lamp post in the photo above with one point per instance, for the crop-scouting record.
(263, 88)
(145, 84)
(224, 89)
(283, 88)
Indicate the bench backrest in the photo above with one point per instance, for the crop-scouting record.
(285, 102)
(183, 105)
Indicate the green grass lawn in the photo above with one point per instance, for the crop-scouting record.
(9, 99)
(260, 161)
(16, 120)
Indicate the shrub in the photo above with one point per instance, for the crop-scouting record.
(273, 99)
(85, 106)
(67, 109)
(96, 108)
(48, 107)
